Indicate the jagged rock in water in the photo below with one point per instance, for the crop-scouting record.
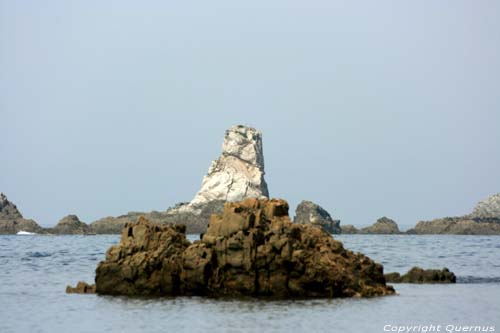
(384, 225)
(420, 275)
(147, 261)
(71, 225)
(237, 174)
(488, 208)
(348, 229)
(250, 249)
(81, 288)
(12, 221)
(307, 212)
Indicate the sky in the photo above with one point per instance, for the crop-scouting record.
(368, 108)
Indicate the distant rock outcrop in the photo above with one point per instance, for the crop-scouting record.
(348, 229)
(195, 222)
(252, 249)
(308, 212)
(12, 221)
(456, 226)
(383, 226)
(236, 175)
(484, 220)
(71, 225)
(419, 275)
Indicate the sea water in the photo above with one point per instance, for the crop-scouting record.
(34, 272)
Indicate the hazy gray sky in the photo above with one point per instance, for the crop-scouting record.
(368, 108)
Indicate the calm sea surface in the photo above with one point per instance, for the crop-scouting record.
(34, 272)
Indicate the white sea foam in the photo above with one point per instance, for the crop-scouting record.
(22, 232)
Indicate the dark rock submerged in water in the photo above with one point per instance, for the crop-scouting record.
(420, 275)
(309, 212)
(252, 249)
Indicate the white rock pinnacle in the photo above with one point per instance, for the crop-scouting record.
(238, 173)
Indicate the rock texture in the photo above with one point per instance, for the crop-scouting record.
(12, 221)
(308, 212)
(488, 208)
(250, 249)
(237, 174)
(384, 225)
(71, 225)
(81, 288)
(420, 275)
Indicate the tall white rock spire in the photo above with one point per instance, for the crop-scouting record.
(238, 173)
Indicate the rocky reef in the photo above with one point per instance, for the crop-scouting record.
(12, 221)
(307, 212)
(251, 249)
(71, 225)
(484, 220)
(383, 226)
(420, 275)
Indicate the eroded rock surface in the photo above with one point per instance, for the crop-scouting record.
(250, 249)
(81, 288)
(420, 275)
(308, 212)
(237, 174)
